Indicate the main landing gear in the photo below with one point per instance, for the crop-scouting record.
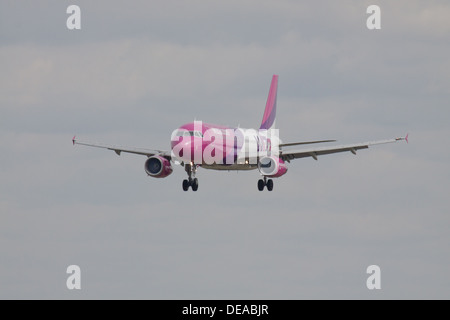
(265, 183)
(191, 169)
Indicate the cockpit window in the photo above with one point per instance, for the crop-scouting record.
(198, 134)
(185, 133)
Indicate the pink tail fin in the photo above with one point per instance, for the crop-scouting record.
(270, 112)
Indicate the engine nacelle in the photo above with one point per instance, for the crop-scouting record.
(158, 167)
(272, 167)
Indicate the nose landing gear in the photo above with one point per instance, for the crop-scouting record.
(192, 182)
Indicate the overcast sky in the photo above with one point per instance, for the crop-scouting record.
(139, 69)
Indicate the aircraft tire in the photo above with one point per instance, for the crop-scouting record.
(185, 185)
(195, 184)
(270, 184)
(261, 184)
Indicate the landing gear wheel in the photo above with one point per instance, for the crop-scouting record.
(194, 184)
(185, 185)
(261, 184)
(270, 184)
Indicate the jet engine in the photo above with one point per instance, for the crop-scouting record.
(272, 167)
(158, 167)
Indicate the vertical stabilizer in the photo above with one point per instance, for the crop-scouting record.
(268, 121)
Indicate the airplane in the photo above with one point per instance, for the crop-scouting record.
(197, 144)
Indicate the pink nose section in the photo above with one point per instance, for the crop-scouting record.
(197, 150)
(191, 149)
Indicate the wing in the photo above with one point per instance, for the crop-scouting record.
(288, 155)
(303, 142)
(120, 149)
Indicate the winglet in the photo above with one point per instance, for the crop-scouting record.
(403, 138)
(73, 140)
